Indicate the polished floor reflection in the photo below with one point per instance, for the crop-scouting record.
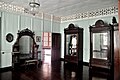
(53, 71)
(47, 56)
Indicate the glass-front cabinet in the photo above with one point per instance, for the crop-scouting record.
(100, 45)
(73, 50)
(102, 48)
(73, 44)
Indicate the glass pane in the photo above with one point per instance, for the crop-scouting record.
(26, 44)
(46, 39)
(100, 45)
(71, 44)
(45, 43)
(46, 34)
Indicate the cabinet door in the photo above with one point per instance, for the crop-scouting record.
(71, 44)
(101, 45)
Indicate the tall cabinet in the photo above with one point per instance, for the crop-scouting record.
(73, 49)
(102, 54)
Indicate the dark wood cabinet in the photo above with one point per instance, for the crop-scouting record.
(102, 54)
(73, 48)
(24, 52)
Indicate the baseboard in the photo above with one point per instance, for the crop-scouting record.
(84, 63)
(61, 59)
(5, 69)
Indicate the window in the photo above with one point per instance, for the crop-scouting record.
(46, 40)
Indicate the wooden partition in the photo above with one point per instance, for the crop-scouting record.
(117, 54)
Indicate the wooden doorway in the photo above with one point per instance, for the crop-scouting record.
(51, 46)
(56, 47)
(46, 47)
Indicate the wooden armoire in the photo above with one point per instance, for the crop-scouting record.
(104, 51)
(73, 50)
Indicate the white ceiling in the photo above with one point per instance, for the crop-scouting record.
(66, 7)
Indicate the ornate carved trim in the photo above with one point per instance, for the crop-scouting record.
(16, 9)
(56, 19)
(10, 8)
(24, 32)
(47, 16)
(101, 12)
(23, 11)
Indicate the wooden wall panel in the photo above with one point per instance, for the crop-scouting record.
(116, 54)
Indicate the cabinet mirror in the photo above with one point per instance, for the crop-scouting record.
(73, 50)
(100, 45)
(25, 44)
(71, 44)
(101, 50)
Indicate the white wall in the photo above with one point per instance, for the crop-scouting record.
(11, 23)
(55, 27)
(37, 26)
(0, 38)
(0, 14)
(25, 22)
(84, 23)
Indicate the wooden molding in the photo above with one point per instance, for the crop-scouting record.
(5, 69)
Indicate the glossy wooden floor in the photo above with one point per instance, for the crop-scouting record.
(53, 71)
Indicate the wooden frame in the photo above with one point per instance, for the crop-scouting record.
(73, 56)
(38, 38)
(9, 37)
(102, 65)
